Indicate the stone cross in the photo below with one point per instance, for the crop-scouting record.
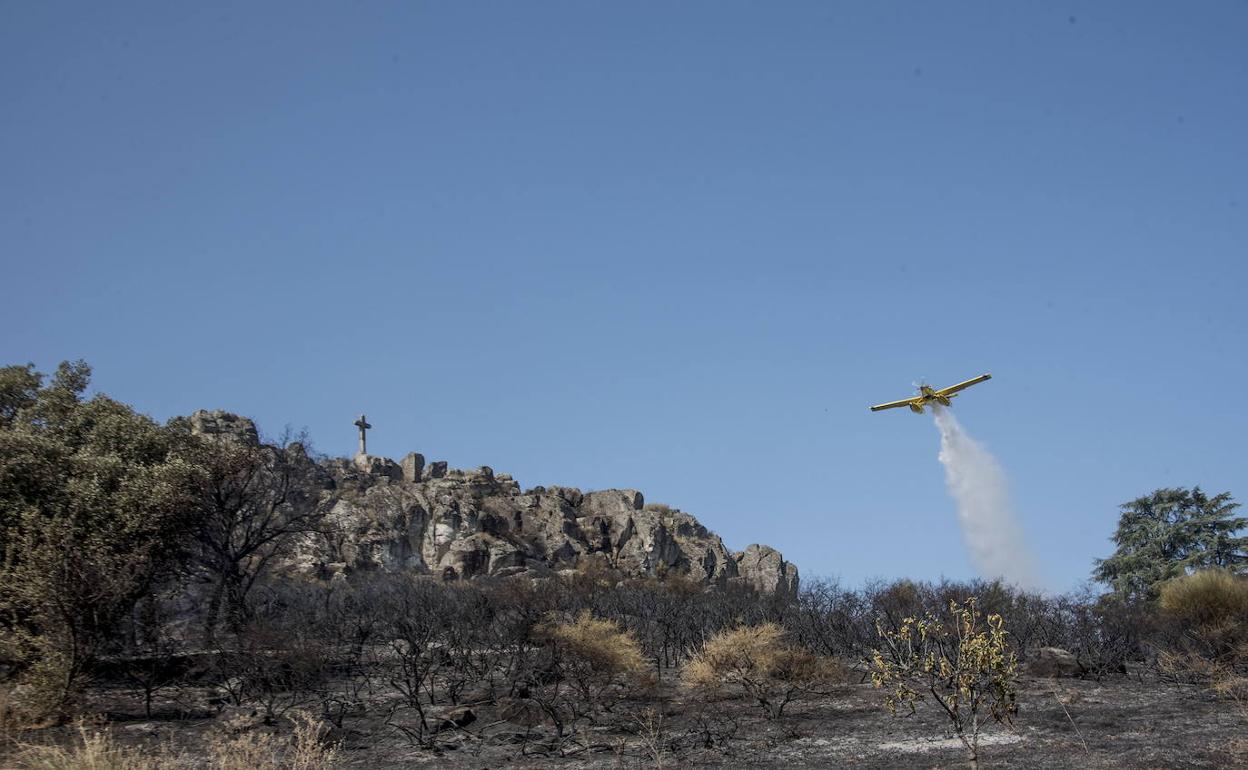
(363, 425)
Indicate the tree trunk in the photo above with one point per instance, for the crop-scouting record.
(214, 609)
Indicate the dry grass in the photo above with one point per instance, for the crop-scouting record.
(600, 644)
(304, 748)
(1210, 611)
(94, 749)
(12, 717)
(757, 660)
(1209, 598)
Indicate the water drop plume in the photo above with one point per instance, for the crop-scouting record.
(980, 491)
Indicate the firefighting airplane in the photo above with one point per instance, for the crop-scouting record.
(929, 396)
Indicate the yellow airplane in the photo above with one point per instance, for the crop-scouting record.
(929, 396)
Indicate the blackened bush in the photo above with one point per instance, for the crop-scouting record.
(831, 620)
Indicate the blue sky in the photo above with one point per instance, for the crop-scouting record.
(679, 247)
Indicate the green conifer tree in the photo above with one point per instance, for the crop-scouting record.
(1170, 533)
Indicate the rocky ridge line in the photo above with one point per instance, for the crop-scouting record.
(460, 525)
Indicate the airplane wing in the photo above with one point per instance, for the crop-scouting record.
(893, 404)
(963, 385)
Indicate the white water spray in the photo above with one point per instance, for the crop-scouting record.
(978, 485)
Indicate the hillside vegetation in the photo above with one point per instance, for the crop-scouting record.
(188, 595)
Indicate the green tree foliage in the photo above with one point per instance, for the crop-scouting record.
(19, 385)
(95, 502)
(1170, 533)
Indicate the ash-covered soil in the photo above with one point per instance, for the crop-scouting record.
(1122, 722)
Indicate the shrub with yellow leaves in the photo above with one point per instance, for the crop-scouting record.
(964, 664)
(757, 660)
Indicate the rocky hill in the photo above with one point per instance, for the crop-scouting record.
(460, 525)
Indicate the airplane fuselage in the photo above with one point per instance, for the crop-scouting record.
(929, 396)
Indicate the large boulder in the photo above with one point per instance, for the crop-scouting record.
(482, 554)
(413, 465)
(611, 502)
(224, 425)
(379, 466)
(1053, 662)
(765, 569)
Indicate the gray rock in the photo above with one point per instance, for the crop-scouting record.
(413, 466)
(763, 568)
(610, 502)
(474, 555)
(1053, 662)
(462, 526)
(455, 524)
(459, 717)
(379, 466)
(224, 425)
(510, 572)
(571, 495)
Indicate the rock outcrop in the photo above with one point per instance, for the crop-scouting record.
(224, 425)
(379, 466)
(468, 524)
(463, 524)
(413, 466)
(766, 570)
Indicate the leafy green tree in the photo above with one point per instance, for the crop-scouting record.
(95, 502)
(18, 387)
(1170, 533)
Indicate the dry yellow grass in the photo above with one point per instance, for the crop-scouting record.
(1208, 611)
(600, 644)
(757, 660)
(1211, 597)
(97, 749)
(601, 662)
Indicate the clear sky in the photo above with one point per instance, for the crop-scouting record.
(679, 247)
